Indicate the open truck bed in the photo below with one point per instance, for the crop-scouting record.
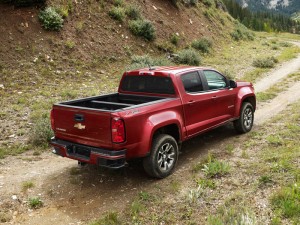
(111, 102)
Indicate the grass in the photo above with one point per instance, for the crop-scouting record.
(188, 57)
(289, 53)
(35, 203)
(216, 168)
(27, 185)
(110, 218)
(117, 13)
(203, 45)
(268, 62)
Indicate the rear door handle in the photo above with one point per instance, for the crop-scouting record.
(214, 97)
(191, 102)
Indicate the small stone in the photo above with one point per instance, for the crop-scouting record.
(2, 86)
(154, 7)
(190, 20)
(102, 72)
(26, 25)
(14, 197)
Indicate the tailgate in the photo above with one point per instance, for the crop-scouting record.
(84, 126)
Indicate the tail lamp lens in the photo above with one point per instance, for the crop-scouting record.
(118, 130)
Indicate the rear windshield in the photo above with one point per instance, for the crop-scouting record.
(148, 84)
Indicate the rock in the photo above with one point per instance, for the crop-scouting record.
(2, 86)
(154, 7)
(102, 72)
(14, 197)
(190, 20)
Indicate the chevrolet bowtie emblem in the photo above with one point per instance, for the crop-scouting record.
(79, 126)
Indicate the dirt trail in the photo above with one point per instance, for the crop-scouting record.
(74, 196)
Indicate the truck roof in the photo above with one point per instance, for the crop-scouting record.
(164, 70)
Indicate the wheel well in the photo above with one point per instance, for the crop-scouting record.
(251, 100)
(171, 130)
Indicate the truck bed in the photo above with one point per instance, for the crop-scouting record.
(111, 102)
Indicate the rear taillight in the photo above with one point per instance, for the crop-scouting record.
(117, 130)
(52, 119)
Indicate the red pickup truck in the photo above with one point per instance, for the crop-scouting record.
(154, 110)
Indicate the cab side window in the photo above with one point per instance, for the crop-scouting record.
(214, 80)
(192, 82)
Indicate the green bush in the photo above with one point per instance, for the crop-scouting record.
(175, 2)
(242, 33)
(118, 2)
(208, 3)
(189, 57)
(35, 203)
(142, 28)
(202, 45)
(191, 2)
(41, 132)
(216, 168)
(51, 19)
(143, 61)
(174, 39)
(133, 12)
(268, 62)
(117, 13)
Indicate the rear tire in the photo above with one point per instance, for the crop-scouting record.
(163, 157)
(245, 122)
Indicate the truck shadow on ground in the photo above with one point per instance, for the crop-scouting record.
(79, 190)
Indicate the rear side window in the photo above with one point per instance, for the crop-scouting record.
(148, 84)
(214, 80)
(192, 82)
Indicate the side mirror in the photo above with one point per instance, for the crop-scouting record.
(232, 84)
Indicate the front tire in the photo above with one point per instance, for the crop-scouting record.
(163, 157)
(245, 122)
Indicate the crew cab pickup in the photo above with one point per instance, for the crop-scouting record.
(153, 112)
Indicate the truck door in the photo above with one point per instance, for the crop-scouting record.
(198, 110)
(223, 97)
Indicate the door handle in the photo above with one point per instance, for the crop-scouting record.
(214, 97)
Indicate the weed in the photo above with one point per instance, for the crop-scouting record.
(208, 3)
(75, 171)
(13, 150)
(174, 39)
(265, 180)
(133, 12)
(146, 61)
(142, 28)
(229, 149)
(136, 207)
(27, 185)
(35, 203)
(79, 26)
(264, 96)
(117, 13)
(244, 154)
(287, 201)
(202, 44)
(216, 168)
(41, 131)
(207, 159)
(274, 140)
(175, 186)
(194, 194)
(118, 2)
(70, 44)
(285, 44)
(144, 196)
(110, 218)
(4, 217)
(165, 47)
(51, 19)
(189, 57)
(268, 62)
(206, 183)
(275, 47)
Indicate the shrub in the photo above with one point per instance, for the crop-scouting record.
(51, 19)
(202, 45)
(133, 12)
(35, 203)
(208, 3)
(117, 13)
(242, 33)
(268, 62)
(146, 61)
(216, 168)
(118, 2)
(189, 57)
(175, 2)
(142, 28)
(110, 218)
(174, 39)
(191, 2)
(41, 132)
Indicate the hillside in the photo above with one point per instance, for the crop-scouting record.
(283, 6)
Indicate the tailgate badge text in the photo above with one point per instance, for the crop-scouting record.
(79, 126)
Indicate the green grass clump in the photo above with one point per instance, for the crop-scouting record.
(242, 33)
(202, 44)
(41, 131)
(208, 3)
(268, 62)
(109, 219)
(51, 19)
(286, 202)
(188, 57)
(133, 12)
(118, 2)
(216, 168)
(27, 185)
(35, 203)
(142, 28)
(117, 13)
(143, 61)
(174, 39)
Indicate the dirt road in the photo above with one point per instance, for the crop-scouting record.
(76, 196)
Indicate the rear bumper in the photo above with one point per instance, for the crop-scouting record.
(88, 154)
